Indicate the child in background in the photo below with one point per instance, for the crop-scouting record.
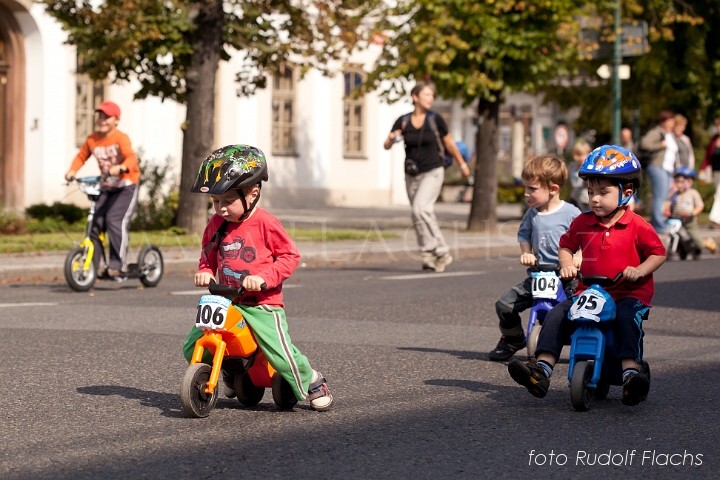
(578, 186)
(540, 229)
(247, 246)
(613, 239)
(685, 204)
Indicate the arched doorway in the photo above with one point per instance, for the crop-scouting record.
(12, 112)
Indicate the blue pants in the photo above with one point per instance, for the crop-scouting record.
(660, 184)
(627, 328)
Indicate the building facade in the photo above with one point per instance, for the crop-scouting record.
(324, 146)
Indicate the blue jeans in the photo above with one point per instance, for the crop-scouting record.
(660, 184)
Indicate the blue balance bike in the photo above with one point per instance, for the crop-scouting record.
(593, 367)
(547, 291)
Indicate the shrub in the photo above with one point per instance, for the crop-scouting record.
(159, 197)
(65, 212)
(11, 223)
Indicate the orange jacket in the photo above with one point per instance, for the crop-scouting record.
(112, 149)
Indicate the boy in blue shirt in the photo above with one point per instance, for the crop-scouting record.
(539, 234)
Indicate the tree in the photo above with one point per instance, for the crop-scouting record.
(478, 51)
(680, 72)
(173, 49)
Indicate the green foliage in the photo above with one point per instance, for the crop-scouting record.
(473, 49)
(158, 202)
(511, 193)
(65, 212)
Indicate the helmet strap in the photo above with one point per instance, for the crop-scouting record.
(248, 209)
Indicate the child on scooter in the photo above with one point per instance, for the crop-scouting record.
(613, 239)
(247, 246)
(540, 229)
(685, 204)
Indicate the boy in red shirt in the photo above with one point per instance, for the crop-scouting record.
(247, 246)
(613, 239)
(119, 167)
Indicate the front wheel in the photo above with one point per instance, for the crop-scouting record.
(579, 393)
(150, 263)
(532, 340)
(76, 277)
(194, 400)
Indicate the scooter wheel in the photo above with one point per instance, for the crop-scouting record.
(193, 399)
(283, 395)
(76, 278)
(532, 339)
(247, 393)
(150, 263)
(579, 393)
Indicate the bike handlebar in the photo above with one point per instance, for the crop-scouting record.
(601, 280)
(228, 291)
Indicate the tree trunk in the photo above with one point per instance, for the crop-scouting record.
(483, 214)
(199, 130)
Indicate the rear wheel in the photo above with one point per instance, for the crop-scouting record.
(579, 393)
(150, 263)
(78, 279)
(283, 395)
(194, 400)
(247, 393)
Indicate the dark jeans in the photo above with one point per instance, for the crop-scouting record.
(113, 211)
(627, 329)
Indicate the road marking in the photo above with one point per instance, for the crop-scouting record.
(200, 291)
(430, 276)
(27, 304)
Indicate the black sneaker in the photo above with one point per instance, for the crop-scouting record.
(635, 389)
(531, 376)
(228, 379)
(506, 348)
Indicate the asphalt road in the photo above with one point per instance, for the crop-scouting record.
(90, 385)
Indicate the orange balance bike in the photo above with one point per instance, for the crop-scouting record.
(236, 356)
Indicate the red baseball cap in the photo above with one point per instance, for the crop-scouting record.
(109, 108)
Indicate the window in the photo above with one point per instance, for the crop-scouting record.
(283, 115)
(353, 114)
(88, 94)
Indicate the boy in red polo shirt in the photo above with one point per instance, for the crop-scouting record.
(613, 239)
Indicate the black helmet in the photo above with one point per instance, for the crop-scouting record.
(232, 167)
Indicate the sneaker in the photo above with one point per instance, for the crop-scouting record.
(635, 389)
(428, 261)
(228, 383)
(506, 348)
(531, 376)
(711, 245)
(443, 261)
(319, 394)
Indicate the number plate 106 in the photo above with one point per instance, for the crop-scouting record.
(212, 312)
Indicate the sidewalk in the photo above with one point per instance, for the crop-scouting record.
(36, 267)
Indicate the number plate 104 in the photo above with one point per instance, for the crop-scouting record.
(212, 312)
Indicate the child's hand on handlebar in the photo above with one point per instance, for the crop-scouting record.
(632, 274)
(569, 272)
(528, 259)
(70, 176)
(203, 279)
(253, 283)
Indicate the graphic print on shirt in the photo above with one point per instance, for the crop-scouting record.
(233, 255)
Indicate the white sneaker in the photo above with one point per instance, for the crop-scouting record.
(443, 261)
(319, 395)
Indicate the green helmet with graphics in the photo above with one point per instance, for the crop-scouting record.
(233, 167)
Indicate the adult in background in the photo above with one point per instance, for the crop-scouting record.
(120, 176)
(426, 136)
(626, 139)
(712, 160)
(685, 154)
(661, 144)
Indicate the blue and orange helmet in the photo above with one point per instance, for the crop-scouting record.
(614, 163)
(683, 171)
